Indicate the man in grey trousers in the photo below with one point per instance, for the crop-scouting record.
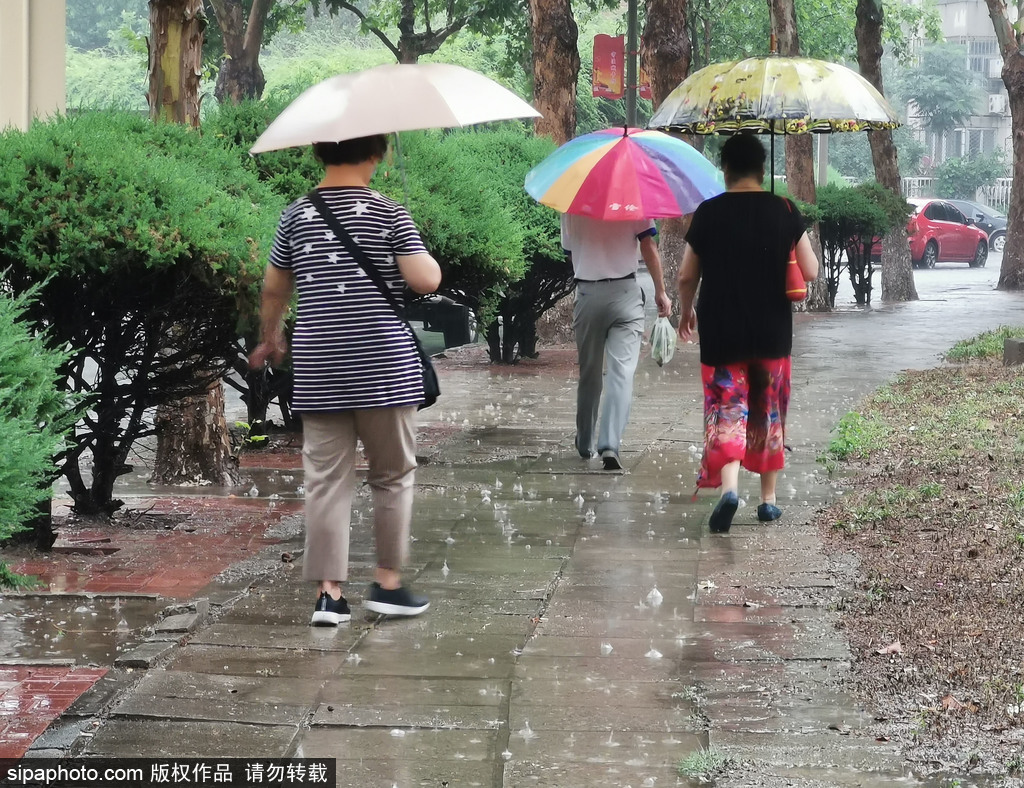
(608, 319)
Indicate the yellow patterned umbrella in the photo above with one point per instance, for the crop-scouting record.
(774, 95)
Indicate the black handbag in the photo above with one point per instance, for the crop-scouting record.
(431, 385)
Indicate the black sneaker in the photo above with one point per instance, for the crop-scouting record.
(610, 458)
(767, 512)
(397, 602)
(330, 612)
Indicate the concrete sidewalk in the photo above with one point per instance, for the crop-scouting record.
(585, 628)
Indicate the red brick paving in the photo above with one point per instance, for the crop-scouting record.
(33, 697)
(174, 563)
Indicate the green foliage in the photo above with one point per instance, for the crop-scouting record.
(91, 24)
(101, 79)
(944, 89)
(850, 153)
(960, 179)
(850, 220)
(145, 243)
(504, 157)
(905, 22)
(289, 173)
(703, 765)
(986, 345)
(288, 77)
(855, 436)
(463, 220)
(36, 419)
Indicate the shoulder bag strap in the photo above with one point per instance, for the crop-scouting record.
(362, 261)
(353, 249)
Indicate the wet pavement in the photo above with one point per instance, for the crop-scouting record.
(585, 628)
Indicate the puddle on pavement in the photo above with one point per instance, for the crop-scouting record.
(85, 629)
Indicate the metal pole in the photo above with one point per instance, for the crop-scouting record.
(822, 159)
(631, 55)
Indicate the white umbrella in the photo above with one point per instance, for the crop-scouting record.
(389, 98)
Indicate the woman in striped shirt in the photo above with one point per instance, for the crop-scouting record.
(356, 369)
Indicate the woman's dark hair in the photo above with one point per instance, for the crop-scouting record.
(351, 151)
(743, 155)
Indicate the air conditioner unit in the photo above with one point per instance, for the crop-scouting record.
(996, 104)
(995, 69)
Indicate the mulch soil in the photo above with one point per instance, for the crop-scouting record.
(933, 509)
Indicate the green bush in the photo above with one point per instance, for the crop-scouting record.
(145, 242)
(465, 223)
(36, 419)
(850, 220)
(960, 179)
(504, 156)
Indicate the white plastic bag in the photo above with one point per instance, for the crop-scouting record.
(663, 341)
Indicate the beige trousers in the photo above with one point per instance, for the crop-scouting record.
(329, 458)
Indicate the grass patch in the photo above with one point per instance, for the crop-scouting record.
(855, 436)
(703, 765)
(933, 511)
(987, 345)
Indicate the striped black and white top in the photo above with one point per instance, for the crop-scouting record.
(349, 349)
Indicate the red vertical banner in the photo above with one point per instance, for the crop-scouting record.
(644, 89)
(609, 60)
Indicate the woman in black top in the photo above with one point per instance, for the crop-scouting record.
(738, 246)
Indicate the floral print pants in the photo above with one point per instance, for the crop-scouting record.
(745, 408)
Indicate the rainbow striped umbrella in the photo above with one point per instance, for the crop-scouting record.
(622, 174)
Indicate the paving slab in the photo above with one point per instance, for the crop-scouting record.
(386, 773)
(547, 658)
(146, 738)
(397, 745)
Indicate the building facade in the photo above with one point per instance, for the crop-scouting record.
(32, 60)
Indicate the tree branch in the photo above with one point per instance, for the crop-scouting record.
(257, 23)
(376, 31)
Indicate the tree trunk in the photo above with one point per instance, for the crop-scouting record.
(665, 52)
(665, 47)
(240, 75)
(898, 271)
(1011, 274)
(193, 446)
(190, 445)
(556, 68)
(175, 60)
(799, 147)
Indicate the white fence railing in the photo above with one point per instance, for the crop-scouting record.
(996, 194)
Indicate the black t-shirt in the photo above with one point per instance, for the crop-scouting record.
(743, 241)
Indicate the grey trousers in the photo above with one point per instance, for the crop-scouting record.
(608, 318)
(329, 458)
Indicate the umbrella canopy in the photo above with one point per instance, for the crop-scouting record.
(390, 98)
(774, 95)
(622, 174)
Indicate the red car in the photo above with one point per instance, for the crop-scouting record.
(940, 233)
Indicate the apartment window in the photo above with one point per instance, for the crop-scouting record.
(988, 141)
(973, 143)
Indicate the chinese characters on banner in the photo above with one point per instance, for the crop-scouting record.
(609, 57)
(609, 69)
